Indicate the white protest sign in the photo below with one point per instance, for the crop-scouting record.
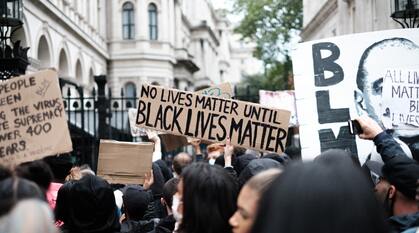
(33, 123)
(337, 80)
(280, 100)
(401, 98)
(213, 119)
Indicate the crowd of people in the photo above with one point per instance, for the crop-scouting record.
(225, 190)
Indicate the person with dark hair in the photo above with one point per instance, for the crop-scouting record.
(167, 224)
(399, 176)
(242, 162)
(4, 172)
(167, 173)
(60, 167)
(37, 171)
(247, 202)
(180, 161)
(333, 156)
(320, 197)
(14, 189)
(87, 205)
(255, 166)
(205, 200)
(283, 159)
(135, 204)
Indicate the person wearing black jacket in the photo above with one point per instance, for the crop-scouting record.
(397, 188)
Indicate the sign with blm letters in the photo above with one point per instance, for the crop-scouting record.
(214, 119)
(336, 80)
(33, 123)
(124, 162)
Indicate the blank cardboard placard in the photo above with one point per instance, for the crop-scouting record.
(172, 142)
(124, 162)
(33, 123)
(214, 119)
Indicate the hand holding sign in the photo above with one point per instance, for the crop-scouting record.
(228, 153)
(149, 180)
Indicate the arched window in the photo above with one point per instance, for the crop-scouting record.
(152, 21)
(79, 71)
(128, 26)
(130, 94)
(63, 67)
(44, 53)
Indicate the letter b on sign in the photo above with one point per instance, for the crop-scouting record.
(322, 64)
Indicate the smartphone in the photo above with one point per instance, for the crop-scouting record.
(354, 127)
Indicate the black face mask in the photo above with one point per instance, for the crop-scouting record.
(388, 204)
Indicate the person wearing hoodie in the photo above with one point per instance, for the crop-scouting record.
(397, 188)
(135, 204)
(87, 206)
(255, 166)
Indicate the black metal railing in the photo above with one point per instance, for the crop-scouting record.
(94, 115)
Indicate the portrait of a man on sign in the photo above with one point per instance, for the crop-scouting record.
(371, 76)
(337, 80)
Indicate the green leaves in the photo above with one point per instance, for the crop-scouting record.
(272, 24)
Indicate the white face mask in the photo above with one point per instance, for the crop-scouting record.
(211, 161)
(175, 205)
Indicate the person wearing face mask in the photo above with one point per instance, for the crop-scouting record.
(397, 187)
(248, 200)
(205, 200)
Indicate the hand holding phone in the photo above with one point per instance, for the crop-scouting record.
(354, 127)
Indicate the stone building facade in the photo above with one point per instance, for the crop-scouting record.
(185, 44)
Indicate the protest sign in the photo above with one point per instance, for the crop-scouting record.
(336, 80)
(124, 162)
(33, 123)
(280, 100)
(212, 118)
(223, 90)
(401, 98)
(172, 142)
(135, 131)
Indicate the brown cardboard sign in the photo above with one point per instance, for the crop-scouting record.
(33, 123)
(124, 162)
(214, 119)
(223, 90)
(172, 142)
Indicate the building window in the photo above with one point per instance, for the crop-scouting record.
(128, 26)
(152, 19)
(130, 95)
